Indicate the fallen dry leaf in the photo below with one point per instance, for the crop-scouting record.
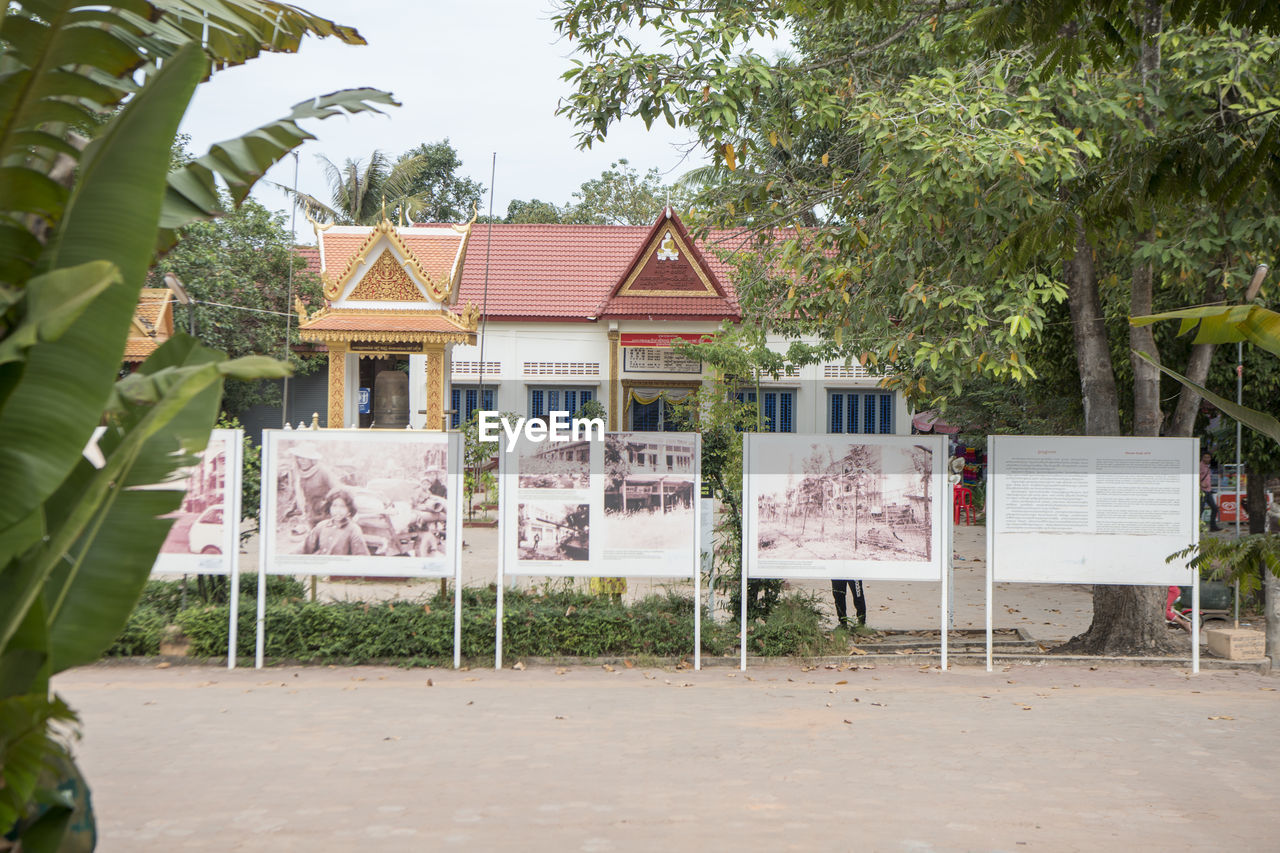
(1222, 717)
(844, 681)
(607, 668)
(561, 670)
(430, 683)
(164, 665)
(519, 665)
(854, 650)
(628, 664)
(850, 722)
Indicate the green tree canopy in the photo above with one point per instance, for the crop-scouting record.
(952, 192)
(443, 194)
(237, 268)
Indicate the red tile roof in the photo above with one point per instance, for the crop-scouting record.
(374, 320)
(152, 323)
(568, 272)
(310, 254)
(434, 252)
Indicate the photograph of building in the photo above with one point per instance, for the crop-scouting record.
(649, 490)
(845, 500)
(553, 530)
(554, 464)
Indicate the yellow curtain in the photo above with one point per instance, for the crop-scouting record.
(671, 395)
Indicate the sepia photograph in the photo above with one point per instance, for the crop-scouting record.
(553, 530)
(198, 523)
(844, 500)
(649, 500)
(356, 497)
(554, 464)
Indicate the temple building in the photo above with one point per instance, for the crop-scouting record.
(571, 313)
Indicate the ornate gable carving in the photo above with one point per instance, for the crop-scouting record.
(387, 281)
(667, 268)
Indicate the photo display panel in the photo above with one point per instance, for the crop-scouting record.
(205, 533)
(374, 503)
(1095, 510)
(622, 507)
(844, 506)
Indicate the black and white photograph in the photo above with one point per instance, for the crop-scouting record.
(554, 464)
(198, 523)
(840, 499)
(553, 530)
(370, 496)
(649, 499)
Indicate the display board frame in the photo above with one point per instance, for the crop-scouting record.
(407, 519)
(563, 515)
(790, 479)
(1093, 538)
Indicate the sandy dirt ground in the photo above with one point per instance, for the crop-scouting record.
(896, 758)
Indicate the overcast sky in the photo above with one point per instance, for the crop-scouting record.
(484, 73)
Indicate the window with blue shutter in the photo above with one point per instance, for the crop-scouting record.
(853, 412)
(465, 400)
(545, 399)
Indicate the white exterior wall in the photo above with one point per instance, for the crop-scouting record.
(521, 355)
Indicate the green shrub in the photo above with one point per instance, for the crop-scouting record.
(559, 624)
(793, 627)
(141, 634)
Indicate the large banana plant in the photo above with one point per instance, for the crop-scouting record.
(1225, 325)
(91, 96)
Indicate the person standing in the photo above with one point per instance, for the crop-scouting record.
(1206, 492)
(859, 601)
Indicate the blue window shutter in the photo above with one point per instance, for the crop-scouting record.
(454, 395)
(771, 411)
(835, 403)
(488, 399)
(471, 402)
(869, 413)
(586, 398)
(853, 413)
(536, 409)
(886, 413)
(786, 420)
(571, 401)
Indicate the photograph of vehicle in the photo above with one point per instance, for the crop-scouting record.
(649, 490)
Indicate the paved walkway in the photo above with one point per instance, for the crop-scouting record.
(901, 758)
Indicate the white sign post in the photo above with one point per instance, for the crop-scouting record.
(204, 539)
(1092, 510)
(626, 506)
(845, 506)
(372, 503)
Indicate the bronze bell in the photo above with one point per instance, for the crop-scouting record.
(391, 400)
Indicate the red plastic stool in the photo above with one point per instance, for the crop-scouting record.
(962, 500)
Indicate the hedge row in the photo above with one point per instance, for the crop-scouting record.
(557, 624)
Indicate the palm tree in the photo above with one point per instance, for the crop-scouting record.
(361, 192)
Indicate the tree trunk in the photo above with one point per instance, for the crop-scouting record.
(1256, 501)
(1183, 422)
(1147, 417)
(1093, 355)
(1122, 615)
